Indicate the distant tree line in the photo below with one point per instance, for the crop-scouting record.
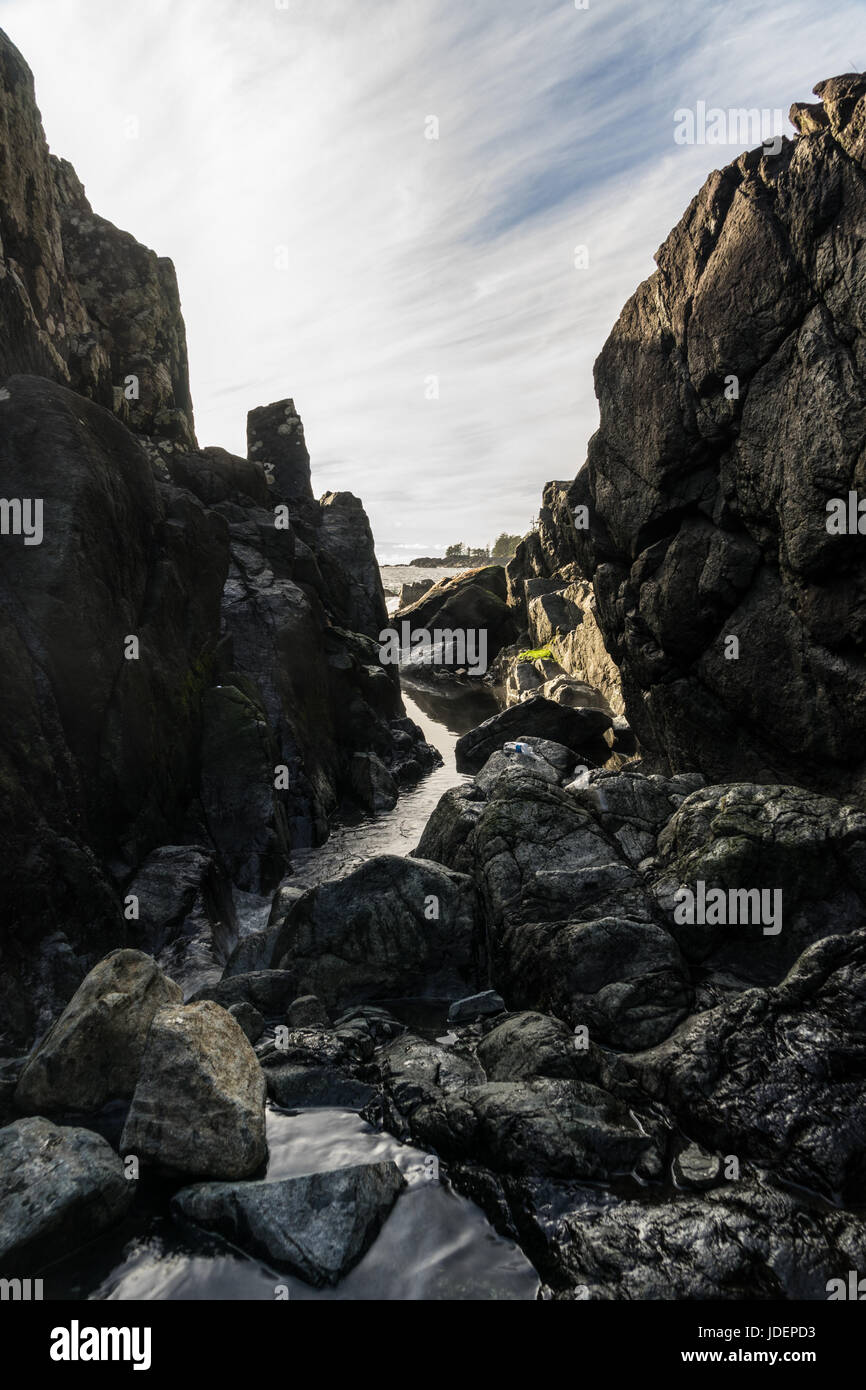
(502, 549)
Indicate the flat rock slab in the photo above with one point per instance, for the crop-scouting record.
(316, 1227)
(59, 1187)
(476, 1006)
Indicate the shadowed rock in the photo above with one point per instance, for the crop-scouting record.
(59, 1188)
(733, 412)
(317, 1227)
(94, 1051)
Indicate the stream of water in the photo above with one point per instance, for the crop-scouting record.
(443, 714)
(434, 1245)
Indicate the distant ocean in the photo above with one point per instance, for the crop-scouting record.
(395, 576)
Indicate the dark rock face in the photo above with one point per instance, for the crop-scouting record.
(778, 1074)
(806, 853)
(186, 915)
(245, 817)
(347, 559)
(131, 295)
(254, 702)
(81, 302)
(99, 752)
(303, 688)
(395, 927)
(275, 442)
(46, 328)
(708, 496)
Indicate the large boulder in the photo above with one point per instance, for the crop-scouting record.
(571, 925)
(59, 1188)
(580, 730)
(199, 1106)
(93, 1053)
(395, 927)
(804, 854)
(316, 1227)
(474, 600)
(733, 419)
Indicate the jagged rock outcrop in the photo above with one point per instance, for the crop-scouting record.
(276, 442)
(474, 601)
(199, 1102)
(555, 605)
(46, 328)
(81, 302)
(733, 412)
(189, 638)
(132, 300)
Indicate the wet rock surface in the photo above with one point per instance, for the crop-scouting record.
(395, 927)
(617, 994)
(707, 506)
(316, 1226)
(59, 1187)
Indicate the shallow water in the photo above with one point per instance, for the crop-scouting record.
(434, 1245)
(443, 716)
(395, 576)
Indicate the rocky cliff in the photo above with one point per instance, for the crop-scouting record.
(724, 542)
(191, 685)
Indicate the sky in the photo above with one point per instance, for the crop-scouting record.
(374, 207)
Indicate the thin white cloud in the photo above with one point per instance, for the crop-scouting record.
(408, 258)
